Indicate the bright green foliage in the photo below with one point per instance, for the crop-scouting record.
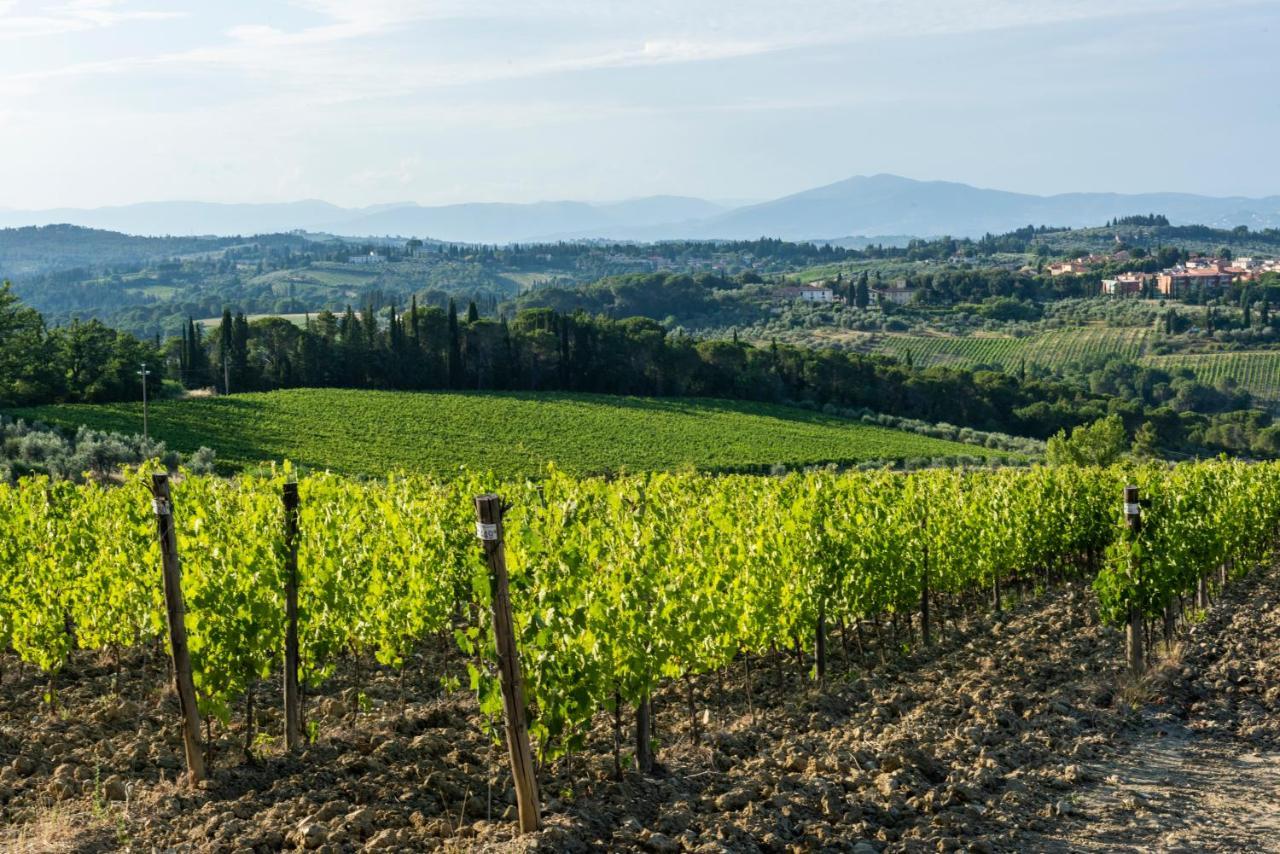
(616, 585)
(1195, 520)
(1098, 444)
(371, 433)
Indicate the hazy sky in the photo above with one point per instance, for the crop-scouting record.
(367, 101)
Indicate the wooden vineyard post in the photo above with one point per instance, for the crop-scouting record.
(644, 735)
(489, 530)
(1133, 628)
(925, 635)
(292, 710)
(820, 647)
(175, 615)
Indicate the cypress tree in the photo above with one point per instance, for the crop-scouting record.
(510, 357)
(199, 358)
(564, 352)
(226, 335)
(455, 348)
(240, 351)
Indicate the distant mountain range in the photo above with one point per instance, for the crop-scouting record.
(864, 205)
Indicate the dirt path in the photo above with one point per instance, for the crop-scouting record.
(1201, 772)
(1183, 792)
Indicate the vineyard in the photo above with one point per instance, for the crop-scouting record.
(1256, 372)
(1067, 346)
(370, 433)
(960, 352)
(1053, 349)
(617, 587)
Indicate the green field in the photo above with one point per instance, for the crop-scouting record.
(324, 275)
(372, 432)
(1052, 349)
(298, 319)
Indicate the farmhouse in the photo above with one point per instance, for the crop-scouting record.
(1125, 284)
(1068, 268)
(371, 258)
(897, 295)
(808, 293)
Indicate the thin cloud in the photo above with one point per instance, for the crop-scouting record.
(70, 17)
(615, 35)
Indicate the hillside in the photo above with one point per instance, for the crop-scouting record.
(1257, 372)
(889, 204)
(861, 205)
(371, 433)
(31, 249)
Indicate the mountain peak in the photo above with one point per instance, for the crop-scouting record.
(880, 203)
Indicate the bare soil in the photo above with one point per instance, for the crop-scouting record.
(1014, 732)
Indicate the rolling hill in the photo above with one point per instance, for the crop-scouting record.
(888, 204)
(513, 434)
(862, 205)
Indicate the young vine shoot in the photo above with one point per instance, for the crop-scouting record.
(617, 585)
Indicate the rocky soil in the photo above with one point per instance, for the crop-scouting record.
(1016, 732)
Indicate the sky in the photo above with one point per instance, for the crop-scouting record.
(362, 102)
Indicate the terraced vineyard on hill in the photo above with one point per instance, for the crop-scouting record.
(1258, 372)
(1052, 349)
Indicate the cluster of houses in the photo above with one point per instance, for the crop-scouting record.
(1085, 263)
(825, 293)
(1187, 279)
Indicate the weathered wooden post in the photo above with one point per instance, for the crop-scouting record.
(175, 615)
(292, 706)
(925, 634)
(820, 647)
(1133, 628)
(489, 530)
(644, 735)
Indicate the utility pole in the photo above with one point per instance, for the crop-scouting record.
(144, 373)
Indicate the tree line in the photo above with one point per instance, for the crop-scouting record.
(80, 363)
(428, 348)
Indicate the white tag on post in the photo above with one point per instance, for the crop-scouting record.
(487, 530)
(1130, 509)
(160, 506)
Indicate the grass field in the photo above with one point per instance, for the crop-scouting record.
(371, 432)
(296, 319)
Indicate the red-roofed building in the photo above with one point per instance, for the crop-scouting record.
(1180, 283)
